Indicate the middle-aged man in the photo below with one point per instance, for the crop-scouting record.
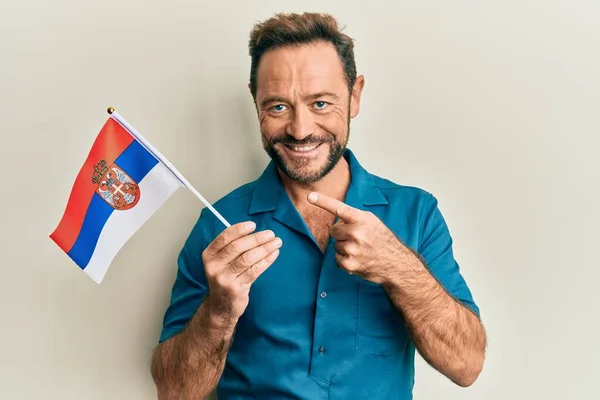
(330, 277)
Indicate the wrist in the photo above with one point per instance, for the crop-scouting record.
(218, 315)
(402, 267)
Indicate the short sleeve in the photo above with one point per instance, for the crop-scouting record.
(436, 250)
(190, 286)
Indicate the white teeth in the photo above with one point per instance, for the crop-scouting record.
(303, 148)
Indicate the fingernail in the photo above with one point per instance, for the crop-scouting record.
(278, 242)
(269, 235)
(250, 226)
(313, 197)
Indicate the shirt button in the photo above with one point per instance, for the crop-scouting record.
(323, 295)
(321, 350)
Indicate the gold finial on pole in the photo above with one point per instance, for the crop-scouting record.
(110, 110)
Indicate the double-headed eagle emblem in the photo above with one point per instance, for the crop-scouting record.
(115, 186)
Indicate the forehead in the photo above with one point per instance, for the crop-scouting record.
(307, 68)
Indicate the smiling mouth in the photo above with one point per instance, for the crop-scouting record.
(304, 148)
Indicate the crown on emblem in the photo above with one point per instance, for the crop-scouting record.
(99, 171)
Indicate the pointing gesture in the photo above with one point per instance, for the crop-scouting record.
(341, 210)
(364, 245)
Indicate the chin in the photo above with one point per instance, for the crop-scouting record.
(308, 171)
(306, 168)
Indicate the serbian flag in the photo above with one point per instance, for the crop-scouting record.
(120, 185)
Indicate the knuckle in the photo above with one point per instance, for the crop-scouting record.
(220, 241)
(246, 259)
(205, 256)
(262, 237)
(210, 275)
(272, 245)
(259, 265)
(253, 271)
(264, 263)
(221, 281)
(209, 267)
(268, 247)
(234, 248)
(240, 228)
(356, 235)
(266, 235)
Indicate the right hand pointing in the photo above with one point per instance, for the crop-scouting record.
(233, 261)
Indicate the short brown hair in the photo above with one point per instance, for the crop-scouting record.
(297, 29)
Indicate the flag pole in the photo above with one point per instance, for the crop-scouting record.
(115, 115)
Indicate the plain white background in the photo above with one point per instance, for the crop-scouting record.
(491, 106)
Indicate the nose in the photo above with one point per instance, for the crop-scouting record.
(302, 124)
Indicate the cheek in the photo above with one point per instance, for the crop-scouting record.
(271, 127)
(334, 122)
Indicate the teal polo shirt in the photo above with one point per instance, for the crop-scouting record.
(311, 330)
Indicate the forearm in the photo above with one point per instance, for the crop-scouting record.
(190, 364)
(447, 334)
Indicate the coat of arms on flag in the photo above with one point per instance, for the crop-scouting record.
(118, 188)
(123, 181)
(115, 186)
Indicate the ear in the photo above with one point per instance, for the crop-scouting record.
(355, 95)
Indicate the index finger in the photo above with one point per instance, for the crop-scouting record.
(229, 235)
(334, 206)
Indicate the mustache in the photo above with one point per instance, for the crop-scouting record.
(289, 140)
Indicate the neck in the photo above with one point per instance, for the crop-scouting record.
(334, 184)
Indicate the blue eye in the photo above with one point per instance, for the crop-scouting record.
(320, 104)
(279, 108)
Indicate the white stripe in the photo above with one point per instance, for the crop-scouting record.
(156, 187)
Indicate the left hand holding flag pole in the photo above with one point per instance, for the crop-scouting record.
(116, 116)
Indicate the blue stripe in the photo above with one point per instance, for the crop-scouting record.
(136, 161)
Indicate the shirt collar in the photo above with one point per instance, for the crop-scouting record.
(269, 192)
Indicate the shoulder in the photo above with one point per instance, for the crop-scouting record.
(241, 194)
(400, 194)
(413, 205)
(237, 200)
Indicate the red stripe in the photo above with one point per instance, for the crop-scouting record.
(112, 140)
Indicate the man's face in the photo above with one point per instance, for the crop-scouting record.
(304, 109)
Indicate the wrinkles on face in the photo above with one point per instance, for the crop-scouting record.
(302, 98)
(304, 118)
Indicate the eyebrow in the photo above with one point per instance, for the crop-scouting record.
(278, 99)
(324, 94)
(272, 99)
